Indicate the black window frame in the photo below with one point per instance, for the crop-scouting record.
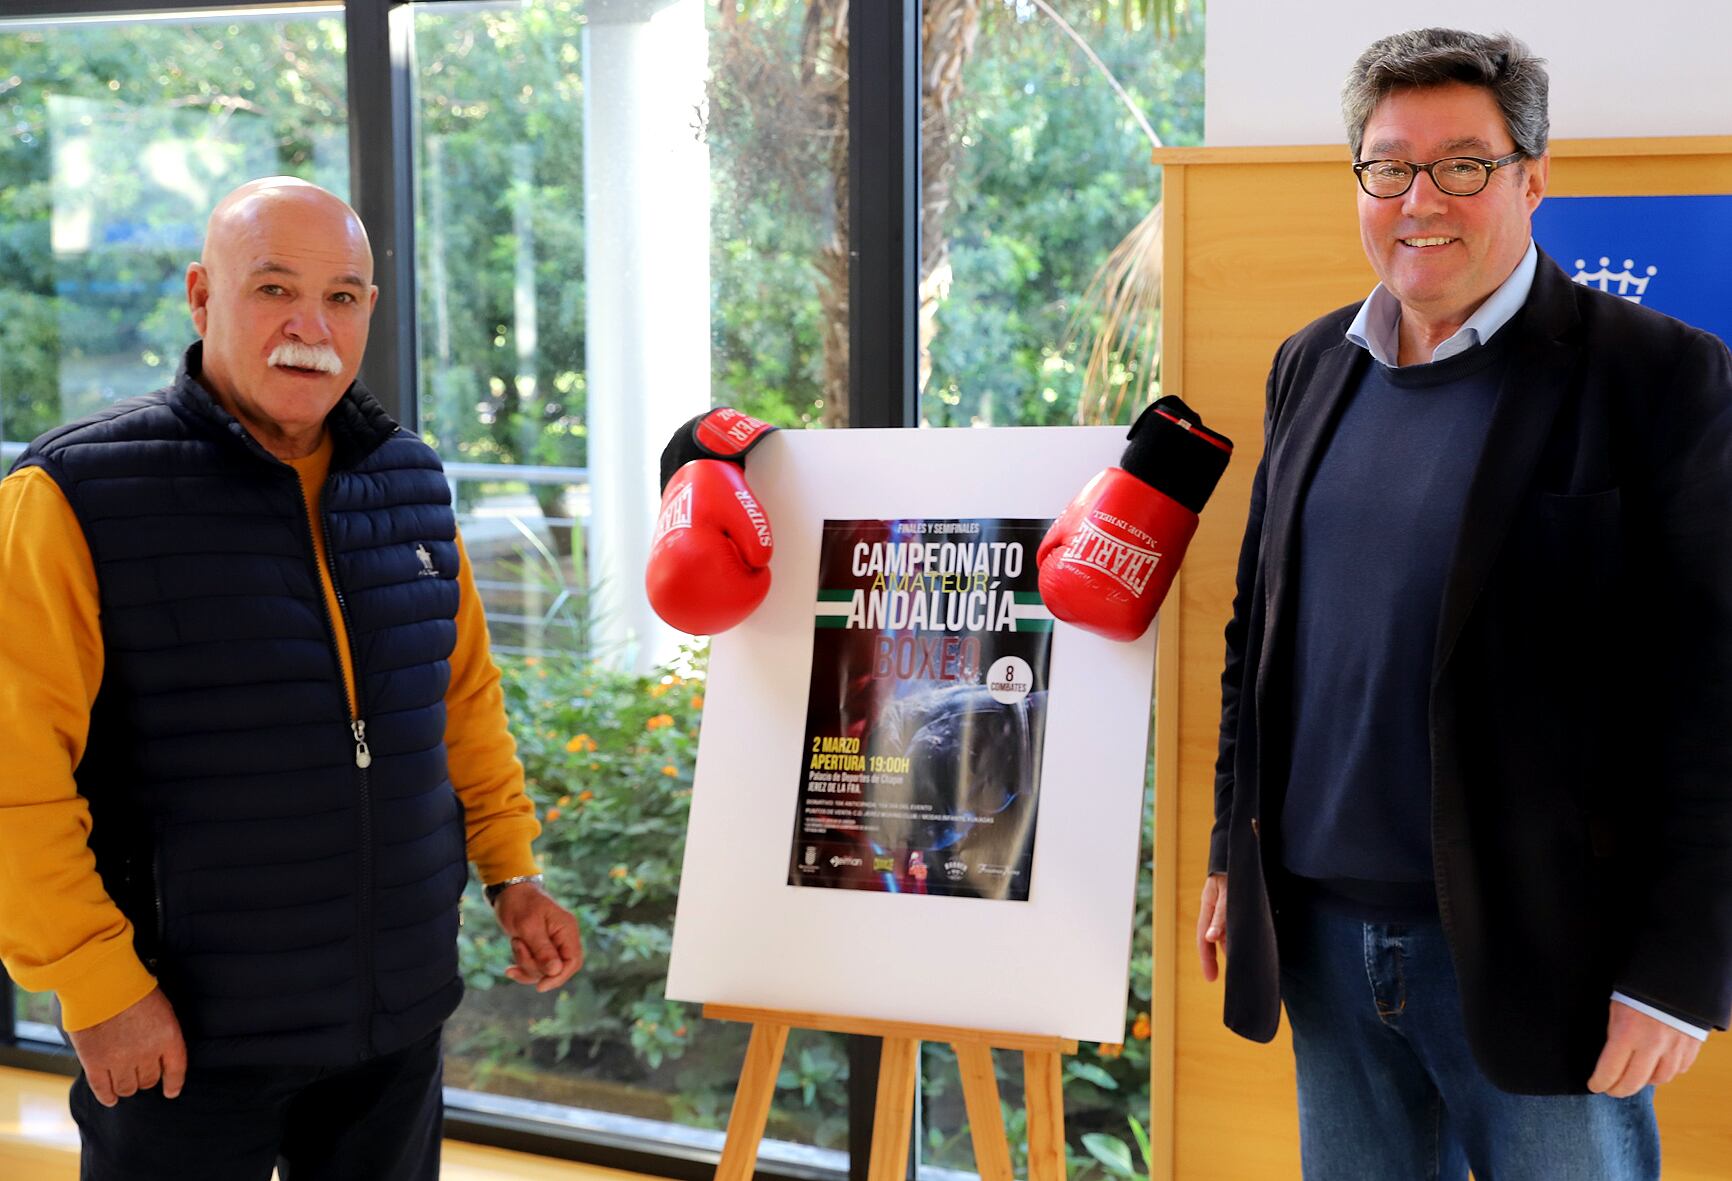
(884, 235)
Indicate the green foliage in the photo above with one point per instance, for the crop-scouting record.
(501, 185)
(499, 228)
(1104, 1085)
(1052, 172)
(1114, 1154)
(119, 140)
(770, 215)
(608, 757)
(172, 114)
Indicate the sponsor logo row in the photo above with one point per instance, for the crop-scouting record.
(954, 868)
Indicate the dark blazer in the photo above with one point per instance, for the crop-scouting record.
(1581, 699)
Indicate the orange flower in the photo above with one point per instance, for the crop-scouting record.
(659, 722)
(658, 690)
(697, 701)
(581, 742)
(531, 661)
(552, 814)
(670, 770)
(616, 872)
(564, 801)
(1140, 1028)
(585, 796)
(1111, 1051)
(595, 766)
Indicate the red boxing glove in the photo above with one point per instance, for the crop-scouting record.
(1107, 562)
(709, 561)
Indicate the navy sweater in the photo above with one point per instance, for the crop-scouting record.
(1375, 536)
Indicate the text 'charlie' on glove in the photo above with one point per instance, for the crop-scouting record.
(1107, 563)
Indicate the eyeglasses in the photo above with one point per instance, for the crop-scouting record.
(1458, 176)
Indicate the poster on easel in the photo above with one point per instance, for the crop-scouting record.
(1034, 932)
(926, 715)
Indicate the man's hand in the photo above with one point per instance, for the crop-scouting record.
(133, 1050)
(544, 937)
(1212, 924)
(1640, 1050)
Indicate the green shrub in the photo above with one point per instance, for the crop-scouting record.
(609, 757)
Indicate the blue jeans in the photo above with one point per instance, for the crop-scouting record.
(1388, 1089)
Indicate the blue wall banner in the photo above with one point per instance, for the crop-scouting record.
(1672, 254)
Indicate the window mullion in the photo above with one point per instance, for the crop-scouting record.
(884, 211)
(381, 62)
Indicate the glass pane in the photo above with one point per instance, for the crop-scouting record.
(1106, 1087)
(623, 216)
(1039, 174)
(121, 136)
(1038, 171)
(36, 1016)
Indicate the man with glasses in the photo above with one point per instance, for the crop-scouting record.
(1474, 793)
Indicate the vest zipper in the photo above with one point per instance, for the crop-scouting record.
(363, 759)
(363, 756)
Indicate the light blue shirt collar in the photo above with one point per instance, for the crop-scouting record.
(1376, 328)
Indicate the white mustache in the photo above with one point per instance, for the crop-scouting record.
(305, 356)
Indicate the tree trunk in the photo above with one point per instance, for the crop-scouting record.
(948, 32)
(947, 41)
(824, 73)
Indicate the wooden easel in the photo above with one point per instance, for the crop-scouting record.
(898, 1068)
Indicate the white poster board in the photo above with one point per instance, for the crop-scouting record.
(1056, 964)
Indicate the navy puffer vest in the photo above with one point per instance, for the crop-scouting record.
(295, 894)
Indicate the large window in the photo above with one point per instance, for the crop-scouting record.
(622, 216)
(619, 213)
(1042, 177)
(119, 136)
(1037, 177)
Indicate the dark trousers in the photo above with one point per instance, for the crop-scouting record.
(377, 1120)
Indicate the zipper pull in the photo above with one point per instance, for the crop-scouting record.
(363, 756)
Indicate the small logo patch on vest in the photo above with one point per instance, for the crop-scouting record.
(428, 570)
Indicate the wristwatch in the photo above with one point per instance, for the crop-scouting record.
(492, 892)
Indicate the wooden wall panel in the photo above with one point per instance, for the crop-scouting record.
(1260, 242)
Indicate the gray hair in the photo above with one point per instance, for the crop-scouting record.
(1436, 57)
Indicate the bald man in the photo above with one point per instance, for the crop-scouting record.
(250, 733)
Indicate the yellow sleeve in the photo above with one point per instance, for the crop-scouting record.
(479, 750)
(59, 930)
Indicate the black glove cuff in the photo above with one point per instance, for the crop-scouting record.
(723, 433)
(1172, 452)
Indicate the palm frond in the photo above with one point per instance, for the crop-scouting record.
(1120, 316)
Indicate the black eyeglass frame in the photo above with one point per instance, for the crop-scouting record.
(1490, 166)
